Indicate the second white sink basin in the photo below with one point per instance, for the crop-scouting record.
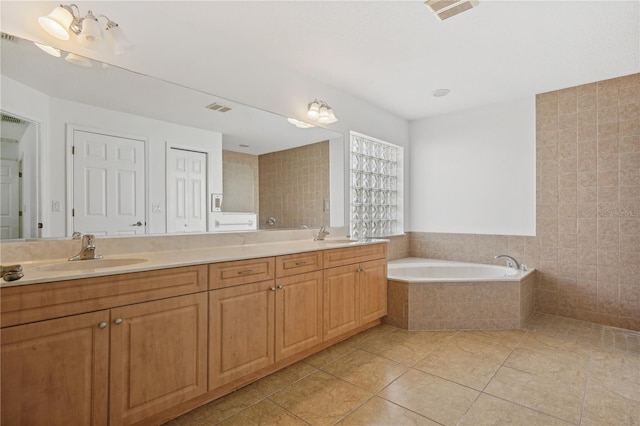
(84, 265)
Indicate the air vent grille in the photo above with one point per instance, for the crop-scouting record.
(10, 119)
(445, 9)
(8, 37)
(218, 107)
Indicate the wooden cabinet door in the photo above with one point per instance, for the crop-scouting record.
(55, 372)
(373, 290)
(298, 313)
(158, 356)
(341, 294)
(241, 331)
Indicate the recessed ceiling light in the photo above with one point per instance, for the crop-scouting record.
(438, 93)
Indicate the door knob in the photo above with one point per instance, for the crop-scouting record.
(138, 223)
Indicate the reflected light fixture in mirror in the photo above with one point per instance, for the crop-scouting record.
(300, 124)
(321, 112)
(66, 18)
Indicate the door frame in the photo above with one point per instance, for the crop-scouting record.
(70, 128)
(39, 214)
(209, 179)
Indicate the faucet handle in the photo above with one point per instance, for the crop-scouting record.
(76, 235)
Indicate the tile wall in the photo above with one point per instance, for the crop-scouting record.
(587, 248)
(240, 180)
(293, 185)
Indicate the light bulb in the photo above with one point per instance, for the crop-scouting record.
(50, 50)
(90, 33)
(314, 110)
(57, 22)
(324, 114)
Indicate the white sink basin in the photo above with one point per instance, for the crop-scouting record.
(84, 265)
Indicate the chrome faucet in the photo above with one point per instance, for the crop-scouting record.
(88, 249)
(511, 262)
(321, 234)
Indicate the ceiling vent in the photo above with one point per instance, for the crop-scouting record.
(218, 107)
(11, 119)
(8, 37)
(444, 9)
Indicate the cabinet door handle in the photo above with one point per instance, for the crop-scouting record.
(272, 289)
(280, 287)
(102, 325)
(245, 272)
(118, 321)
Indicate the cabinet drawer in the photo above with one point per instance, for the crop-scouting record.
(227, 274)
(37, 302)
(298, 263)
(350, 255)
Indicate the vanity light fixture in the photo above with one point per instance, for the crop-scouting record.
(300, 124)
(67, 18)
(321, 112)
(445, 9)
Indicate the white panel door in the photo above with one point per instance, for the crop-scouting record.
(108, 184)
(9, 200)
(186, 191)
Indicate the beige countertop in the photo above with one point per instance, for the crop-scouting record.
(48, 270)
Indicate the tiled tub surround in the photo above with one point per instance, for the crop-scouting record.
(458, 303)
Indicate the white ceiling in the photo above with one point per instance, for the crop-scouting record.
(392, 54)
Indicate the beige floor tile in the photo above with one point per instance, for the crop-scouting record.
(543, 343)
(603, 407)
(617, 372)
(320, 399)
(221, 408)
(406, 347)
(561, 366)
(374, 333)
(438, 399)
(280, 379)
(262, 414)
(485, 346)
(379, 412)
(368, 371)
(459, 365)
(489, 410)
(330, 354)
(539, 393)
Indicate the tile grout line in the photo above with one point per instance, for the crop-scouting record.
(586, 388)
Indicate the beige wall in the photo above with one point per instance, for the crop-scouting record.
(240, 189)
(293, 185)
(587, 247)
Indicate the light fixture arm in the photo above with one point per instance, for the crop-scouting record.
(76, 24)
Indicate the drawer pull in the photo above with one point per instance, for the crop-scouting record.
(280, 287)
(245, 272)
(272, 289)
(301, 263)
(102, 325)
(118, 321)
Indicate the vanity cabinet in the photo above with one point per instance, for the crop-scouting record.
(120, 364)
(55, 372)
(158, 356)
(254, 325)
(356, 293)
(144, 347)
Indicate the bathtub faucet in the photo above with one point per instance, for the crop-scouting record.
(511, 262)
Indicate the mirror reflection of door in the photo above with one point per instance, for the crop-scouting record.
(18, 144)
(108, 184)
(186, 190)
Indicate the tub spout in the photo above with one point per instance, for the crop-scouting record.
(511, 262)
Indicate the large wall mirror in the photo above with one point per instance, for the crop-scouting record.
(105, 150)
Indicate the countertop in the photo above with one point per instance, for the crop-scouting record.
(35, 271)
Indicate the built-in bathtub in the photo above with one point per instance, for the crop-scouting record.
(430, 294)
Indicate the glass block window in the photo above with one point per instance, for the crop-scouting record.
(376, 187)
